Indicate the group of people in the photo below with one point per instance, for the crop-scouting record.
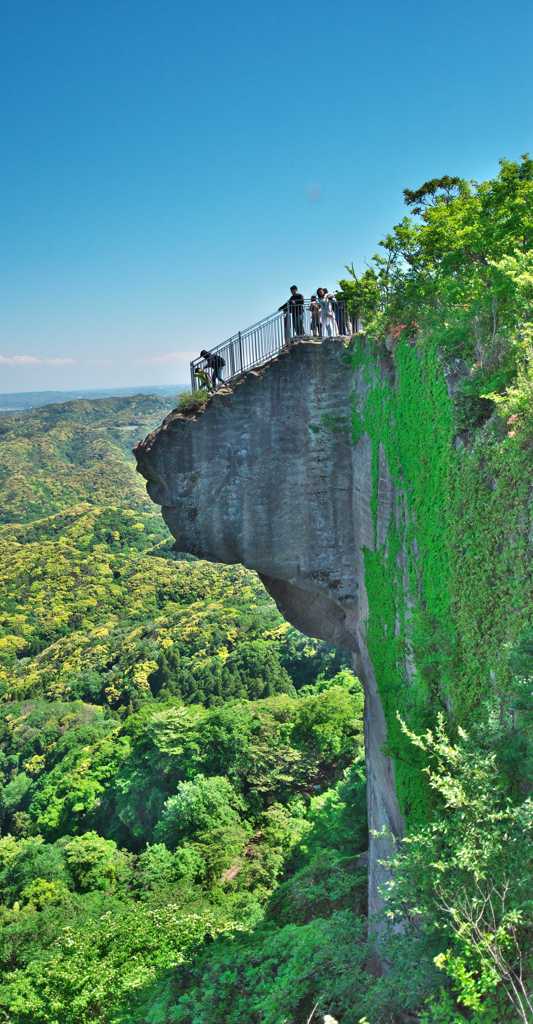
(323, 316)
(327, 316)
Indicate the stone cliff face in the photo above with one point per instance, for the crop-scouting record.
(269, 476)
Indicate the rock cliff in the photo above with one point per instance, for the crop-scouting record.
(338, 474)
(269, 475)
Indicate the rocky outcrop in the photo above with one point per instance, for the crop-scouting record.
(268, 475)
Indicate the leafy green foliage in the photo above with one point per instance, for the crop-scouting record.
(456, 282)
(94, 606)
(157, 769)
(460, 276)
(75, 962)
(361, 293)
(190, 402)
(437, 189)
(467, 876)
(308, 947)
(217, 845)
(279, 974)
(207, 811)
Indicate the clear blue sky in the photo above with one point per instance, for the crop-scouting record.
(169, 169)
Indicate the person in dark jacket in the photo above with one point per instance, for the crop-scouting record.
(215, 364)
(294, 314)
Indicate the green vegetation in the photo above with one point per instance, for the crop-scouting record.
(136, 839)
(467, 876)
(190, 402)
(461, 892)
(164, 734)
(463, 600)
(95, 606)
(59, 455)
(449, 630)
(460, 275)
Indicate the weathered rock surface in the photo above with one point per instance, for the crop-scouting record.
(268, 476)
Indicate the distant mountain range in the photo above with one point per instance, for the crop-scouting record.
(19, 400)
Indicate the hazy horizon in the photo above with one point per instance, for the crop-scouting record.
(104, 387)
(14, 402)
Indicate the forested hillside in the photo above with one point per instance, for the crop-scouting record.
(168, 742)
(58, 455)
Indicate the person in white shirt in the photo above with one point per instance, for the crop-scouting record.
(327, 313)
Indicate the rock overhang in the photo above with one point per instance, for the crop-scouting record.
(270, 476)
(264, 476)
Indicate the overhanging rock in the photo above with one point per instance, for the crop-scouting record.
(268, 476)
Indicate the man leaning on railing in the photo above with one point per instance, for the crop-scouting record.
(294, 314)
(214, 364)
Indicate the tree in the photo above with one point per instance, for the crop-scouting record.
(94, 862)
(466, 876)
(198, 809)
(166, 674)
(330, 724)
(202, 822)
(443, 276)
(431, 192)
(254, 668)
(361, 293)
(23, 861)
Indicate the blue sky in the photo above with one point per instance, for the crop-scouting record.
(169, 169)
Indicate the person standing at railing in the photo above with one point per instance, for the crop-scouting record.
(294, 314)
(315, 316)
(326, 301)
(215, 364)
(343, 320)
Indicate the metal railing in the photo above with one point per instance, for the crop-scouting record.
(259, 343)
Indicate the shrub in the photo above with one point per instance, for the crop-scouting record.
(190, 402)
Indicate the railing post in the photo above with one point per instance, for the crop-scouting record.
(193, 378)
(239, 338)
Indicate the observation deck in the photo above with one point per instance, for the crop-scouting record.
(258, 344)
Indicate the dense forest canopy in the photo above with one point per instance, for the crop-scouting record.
(165, 735)
(182, 787)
